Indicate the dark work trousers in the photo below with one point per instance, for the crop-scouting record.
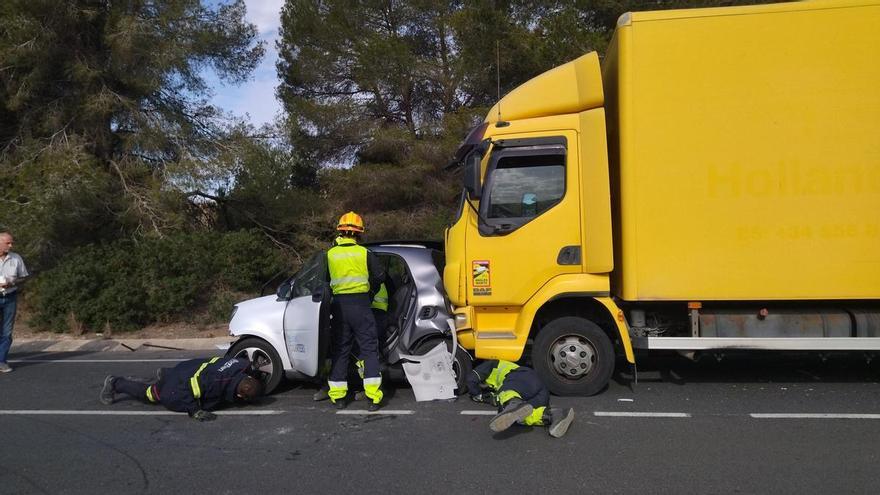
(132, 388)
(353, 320)
(381, 318)
(526, 383)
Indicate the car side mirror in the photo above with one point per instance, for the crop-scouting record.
(284, 291)
(472, 174)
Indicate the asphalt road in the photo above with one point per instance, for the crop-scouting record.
(763, 424)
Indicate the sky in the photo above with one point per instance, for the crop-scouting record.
(255, 97)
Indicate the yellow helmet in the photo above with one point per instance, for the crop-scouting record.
(351, 222)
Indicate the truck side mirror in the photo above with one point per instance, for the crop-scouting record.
(472, 174)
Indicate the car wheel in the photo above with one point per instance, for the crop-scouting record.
(462, 364)
(573, 356)
(265, 361)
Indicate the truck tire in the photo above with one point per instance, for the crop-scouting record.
(573, 356)
(462, 364)
(265, 361)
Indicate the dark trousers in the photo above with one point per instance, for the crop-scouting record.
(353, 320)
(526, 383)
(138, 390)
(381, 318)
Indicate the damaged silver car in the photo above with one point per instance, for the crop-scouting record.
(287, 335)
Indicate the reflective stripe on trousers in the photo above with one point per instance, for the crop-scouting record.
(152, 394)
(338, 390)
(372, 389)
(536, 418)
(505, 395)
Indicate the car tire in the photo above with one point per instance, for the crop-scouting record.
(573, 356)
(265, 360)
(462, 363)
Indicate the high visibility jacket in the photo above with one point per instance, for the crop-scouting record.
(346, 271)
(380, 301)
(347, 264)
(491, 372)
(200, 384)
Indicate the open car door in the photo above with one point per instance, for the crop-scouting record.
(306, 317)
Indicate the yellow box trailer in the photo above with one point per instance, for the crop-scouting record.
(747, 144)
(715, 184)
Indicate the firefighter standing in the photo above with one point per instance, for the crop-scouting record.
(520, 396)
(355, 276)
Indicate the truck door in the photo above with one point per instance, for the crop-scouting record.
(306, 319)
(529, 222)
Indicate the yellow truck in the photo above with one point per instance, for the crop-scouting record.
(715, 184)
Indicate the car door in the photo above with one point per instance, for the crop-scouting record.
(306, 317)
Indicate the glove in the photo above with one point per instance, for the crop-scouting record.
(202, 415)
(484, 399)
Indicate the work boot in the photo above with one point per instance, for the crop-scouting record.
(515, 410)
(322, 394)
(374, 406)
(559, 420)
(340, 403)
(360, 395)
(107, 391)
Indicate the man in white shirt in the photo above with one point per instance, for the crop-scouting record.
(12, 273)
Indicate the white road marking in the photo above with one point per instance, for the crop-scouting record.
(96, 360)
(388, 412)
(62, 412)
(624, 414)
(479, 413)
(813, 416)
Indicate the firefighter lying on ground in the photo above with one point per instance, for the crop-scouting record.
(519, 395)
(195, 387)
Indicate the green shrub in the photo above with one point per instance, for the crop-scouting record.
(128, 284)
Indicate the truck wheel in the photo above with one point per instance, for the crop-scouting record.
(573, 356)
(462, 364)
(265, 360)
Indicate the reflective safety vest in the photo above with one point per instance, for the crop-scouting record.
(380, 301)
(497, 376)
(347, 263)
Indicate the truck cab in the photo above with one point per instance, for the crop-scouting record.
(530, 252)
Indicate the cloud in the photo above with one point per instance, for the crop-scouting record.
(266, 14)
(256, 96)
